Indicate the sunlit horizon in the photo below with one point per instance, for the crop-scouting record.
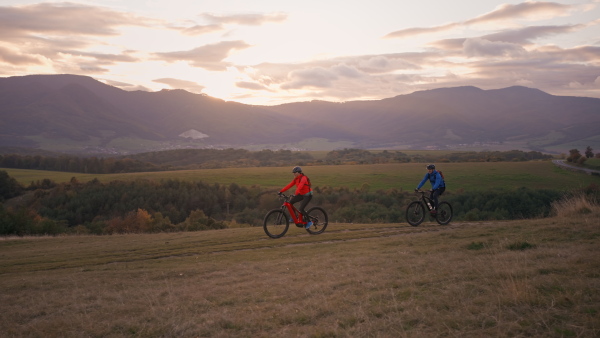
(270, 52)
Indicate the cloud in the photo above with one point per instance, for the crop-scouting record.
(246, 19)
(482, 47)
(126, 86)
(544, 69)
(55, 32)
(17, 58)
(520, 36)
(104, 59)
(584, 54)
(209, 56)
(535, 10)
(409, 32)
(527, 34)
(344, 70)
(217, 22)
(315, 77)
(527, 10)
(64, 19)
(349, 73)
(250, 85)
(375, 64)
(202, 29)
(190, 86)
(475, 61)
(89, 68)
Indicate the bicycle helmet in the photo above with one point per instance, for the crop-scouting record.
(430, 166)
(296, 170)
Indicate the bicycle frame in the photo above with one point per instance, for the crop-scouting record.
(426, 200)
(277, 221)
(294, 213)
(415, 212)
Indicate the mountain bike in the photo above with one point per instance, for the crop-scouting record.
(415, 213)
(277, 221)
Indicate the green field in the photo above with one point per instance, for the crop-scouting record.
(524, 278)
(593, 163)
(472, 176)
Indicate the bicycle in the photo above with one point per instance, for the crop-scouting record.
(277, 221)
(415, 212)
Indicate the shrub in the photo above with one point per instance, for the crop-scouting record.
(9, 187)
(476, 246)
(520, 246)
(575, 204)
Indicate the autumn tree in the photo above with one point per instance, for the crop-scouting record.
(199, 221)
(574, 155)
(588, 152)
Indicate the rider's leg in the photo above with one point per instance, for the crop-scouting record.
(296, 199)
(434, 196)
(305, 202)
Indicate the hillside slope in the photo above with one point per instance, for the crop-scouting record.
(535, 278)
(69, 112)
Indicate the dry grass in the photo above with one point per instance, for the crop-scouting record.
(574, 205)
(501, 279)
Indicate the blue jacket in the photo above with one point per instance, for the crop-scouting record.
(436, 180)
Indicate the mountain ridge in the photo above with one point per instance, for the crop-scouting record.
(74, 113)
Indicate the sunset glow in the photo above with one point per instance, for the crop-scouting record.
(270, 52)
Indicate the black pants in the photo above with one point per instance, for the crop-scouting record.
(435, 194)
(305, 200)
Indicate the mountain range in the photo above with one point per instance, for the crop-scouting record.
(78, 114)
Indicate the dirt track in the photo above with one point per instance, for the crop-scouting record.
(564, 165)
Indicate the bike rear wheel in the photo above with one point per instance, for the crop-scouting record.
(276, 223)
(320, 220)
(444, 213)
(415, 213)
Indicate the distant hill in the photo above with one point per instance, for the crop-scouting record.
(70, 113)
(448, 117)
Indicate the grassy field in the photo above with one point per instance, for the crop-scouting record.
(593, 163)
(466, 176)
(498, 279)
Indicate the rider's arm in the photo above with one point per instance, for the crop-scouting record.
(438, 181)
(423, 181)
(288, 186)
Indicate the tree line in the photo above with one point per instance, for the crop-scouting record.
(214, 158)
(576, 157)
(147, 206)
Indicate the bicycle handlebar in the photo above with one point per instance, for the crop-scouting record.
(284, 196)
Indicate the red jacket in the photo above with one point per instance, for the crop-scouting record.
(302, 184)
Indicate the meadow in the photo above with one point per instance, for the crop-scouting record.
(518, 278)
(468, 176)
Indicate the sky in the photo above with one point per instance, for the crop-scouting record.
(267, 52)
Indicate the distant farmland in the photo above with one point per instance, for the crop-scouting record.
(469, 176)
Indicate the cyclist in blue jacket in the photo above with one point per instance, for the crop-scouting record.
(438, 186)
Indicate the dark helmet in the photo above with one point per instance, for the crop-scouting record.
(297, 170)
(431, 166)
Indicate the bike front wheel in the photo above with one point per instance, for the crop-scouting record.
(320, 220)
(276, 223)
(415, 213)
(444, 213)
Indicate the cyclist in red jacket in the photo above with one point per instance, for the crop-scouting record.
(303, 192)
